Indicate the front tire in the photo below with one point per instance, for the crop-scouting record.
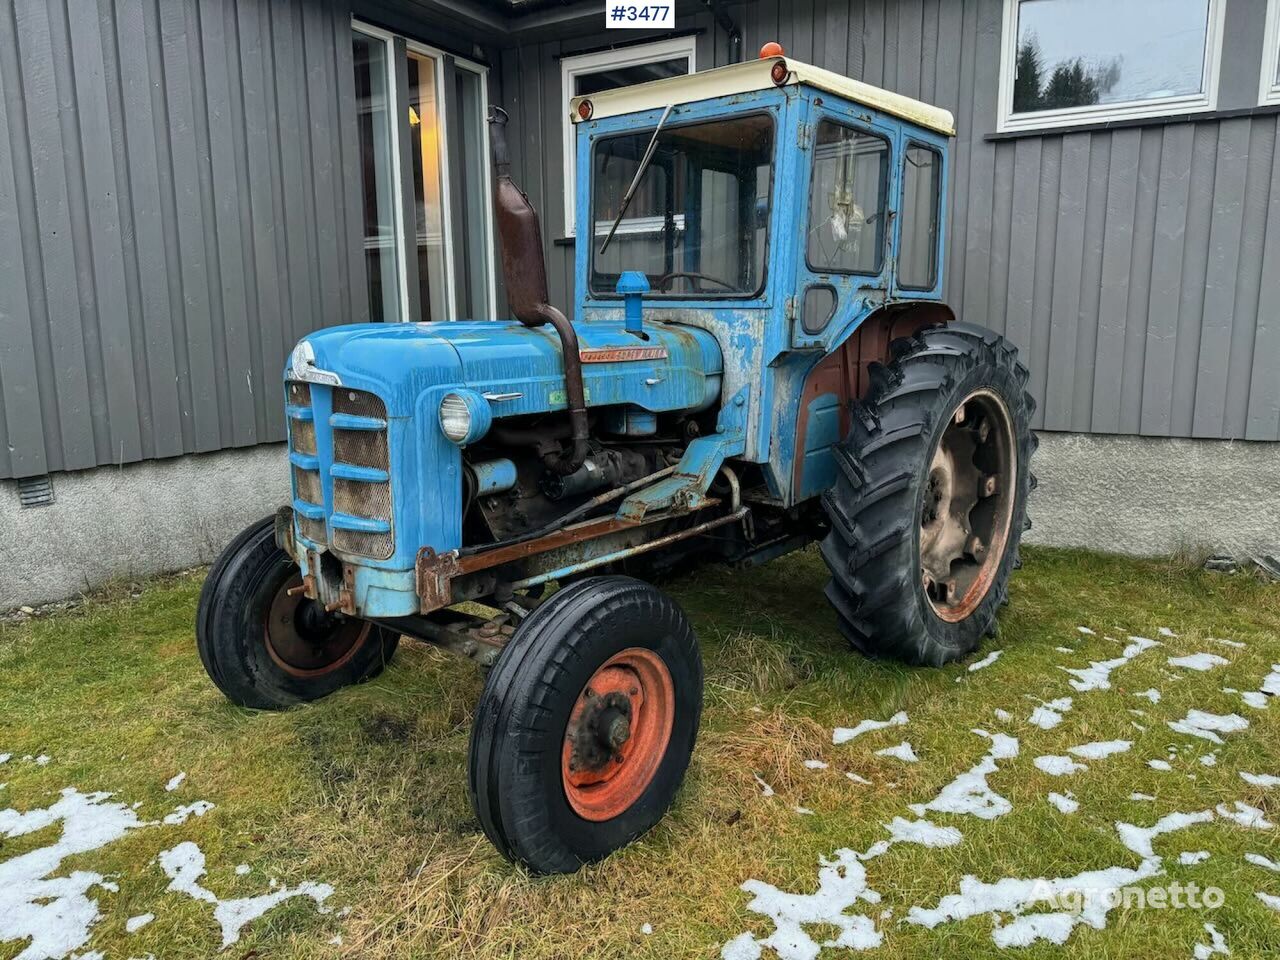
(930, 501)
(268, 650)
(586, 724)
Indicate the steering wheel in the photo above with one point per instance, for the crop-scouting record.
(665, 280)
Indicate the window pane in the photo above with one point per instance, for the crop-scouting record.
(374, 132)
(847, 200)
(428, 189)
(1074, 53)
(921, 179)
(471, 266)
(697, 223)
(607, 78)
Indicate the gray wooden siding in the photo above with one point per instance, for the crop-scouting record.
(179, 202)
(1138, 269)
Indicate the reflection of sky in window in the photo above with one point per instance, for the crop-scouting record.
(1159, 45)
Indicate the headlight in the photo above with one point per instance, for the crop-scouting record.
(464, 417)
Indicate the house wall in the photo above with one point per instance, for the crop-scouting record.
(1137, 269)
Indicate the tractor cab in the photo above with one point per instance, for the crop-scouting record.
(758, 359)
(778, 206)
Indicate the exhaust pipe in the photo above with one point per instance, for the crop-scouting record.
(525, 272)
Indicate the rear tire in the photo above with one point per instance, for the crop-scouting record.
(550, 788)
(266, 650)
(899, 590)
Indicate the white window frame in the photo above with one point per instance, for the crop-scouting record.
(1268, 87)
(630, 56)
(446, 196)
(1206, 100)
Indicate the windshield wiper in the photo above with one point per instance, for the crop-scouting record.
(635, 181)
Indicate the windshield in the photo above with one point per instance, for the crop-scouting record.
(697, 221)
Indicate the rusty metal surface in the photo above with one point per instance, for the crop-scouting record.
(845, 371)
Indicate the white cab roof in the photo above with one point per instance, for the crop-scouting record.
(757, 75)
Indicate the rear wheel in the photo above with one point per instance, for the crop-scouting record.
(586, 724)
(930, 501)
(266, 646)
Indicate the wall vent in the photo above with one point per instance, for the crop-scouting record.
(36, 491)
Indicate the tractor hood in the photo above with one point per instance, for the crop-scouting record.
(519, 368)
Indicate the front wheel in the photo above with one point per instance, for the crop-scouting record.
(586, 724)
(930, 502)
(264, 645)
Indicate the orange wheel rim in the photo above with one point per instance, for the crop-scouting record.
(617, 734)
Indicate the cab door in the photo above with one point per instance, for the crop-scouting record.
(917, 273)
(844, 263)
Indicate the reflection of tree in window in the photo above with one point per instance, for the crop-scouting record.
(847, 201)
(1079, 53)
(696, 224)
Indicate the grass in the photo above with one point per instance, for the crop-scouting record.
(366, 790)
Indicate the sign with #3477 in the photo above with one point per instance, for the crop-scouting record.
(644, 16)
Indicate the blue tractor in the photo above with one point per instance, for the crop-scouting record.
(759, 358)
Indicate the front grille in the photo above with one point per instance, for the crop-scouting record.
(359, 471)
(307, 483)
(367, 499)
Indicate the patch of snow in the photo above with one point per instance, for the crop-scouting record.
(1191, 858)
(1002, 715)
(1207, 726)
(1065, 804)
(242, 869)
(1269, 900)
(1064, 649)
(1159, 765)
(1264, 780)
(43, 760)
(857, 779)
(55, 914)
(1151, 694)
(845, 734)
(986, 661)
(1255, 698)
(1140, 796)
(1097, 676)
(815, 764)
(175, 782)
(181, 814)
(1049, 715)
(184, 866)
(1139, 839)
(1217, 944)
(134, 924)
(968, 794)
(1228, 643)
(1271, 685)
(1199, 661)
(1101, 749)
(4, 757)
(1166, 632)
(922, 832)
(1258, 860)
(765, 789)
(901, 752)
(803, 811)
(1058, 766)
(1086, 631)
(1209, 760)
(646, 929)
(842, 882)
(1245, 815)
(336, 939)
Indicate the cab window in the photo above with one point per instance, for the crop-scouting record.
(921, 191)
(697, 223)
(848, 200)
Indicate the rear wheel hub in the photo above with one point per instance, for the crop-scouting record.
(967, 505)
